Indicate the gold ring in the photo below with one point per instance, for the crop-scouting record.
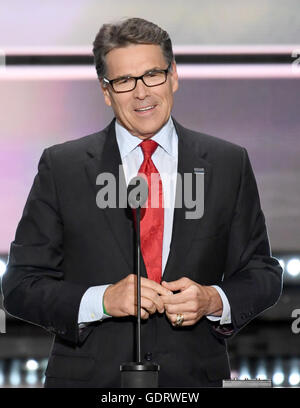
(179, 320)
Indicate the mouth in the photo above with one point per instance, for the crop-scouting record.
(145, 110)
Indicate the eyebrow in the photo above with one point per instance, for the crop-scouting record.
(145, 72)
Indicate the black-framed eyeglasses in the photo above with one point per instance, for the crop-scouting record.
(128, 83)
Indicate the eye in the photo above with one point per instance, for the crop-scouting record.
(121, 81)
(152, 74)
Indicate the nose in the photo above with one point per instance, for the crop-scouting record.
(141, 90)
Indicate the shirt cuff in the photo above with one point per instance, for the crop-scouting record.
(91, 305)
(226, 314)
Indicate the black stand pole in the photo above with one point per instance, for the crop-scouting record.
(139, 374)
(138, 246)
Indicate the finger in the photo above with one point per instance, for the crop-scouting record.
(181, 297)
(189, 319)
(152, 296)
(180, 308)
(148, 283)
(145, 282)
(148, 305)
(144, 314)
(133, 312)
(179, 284)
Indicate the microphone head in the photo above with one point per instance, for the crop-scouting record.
(137, 192)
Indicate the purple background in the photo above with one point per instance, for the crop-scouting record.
(259, 114)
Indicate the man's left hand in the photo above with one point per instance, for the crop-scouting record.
(193, 301)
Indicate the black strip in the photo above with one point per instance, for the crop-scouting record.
(234, 59)
(49, 60)
(180, 59)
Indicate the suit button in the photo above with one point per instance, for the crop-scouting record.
(148, 356)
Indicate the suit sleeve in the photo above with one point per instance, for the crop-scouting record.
(33, 285)
(252, 277)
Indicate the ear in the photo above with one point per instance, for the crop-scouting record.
(174, 76)
(106, 94)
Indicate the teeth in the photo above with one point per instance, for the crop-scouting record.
(144, 109)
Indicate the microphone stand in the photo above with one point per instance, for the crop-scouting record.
(139, 374)
(138, 245)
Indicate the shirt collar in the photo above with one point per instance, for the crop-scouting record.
(165, 138)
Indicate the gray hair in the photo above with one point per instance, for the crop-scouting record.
(124, 33)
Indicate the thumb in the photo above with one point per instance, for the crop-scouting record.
(179, 284)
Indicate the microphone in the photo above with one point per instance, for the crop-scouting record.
(138, 374)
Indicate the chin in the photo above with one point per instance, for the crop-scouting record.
(151, 130)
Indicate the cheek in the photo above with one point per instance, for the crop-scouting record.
(167, 97)
(122, 111)
(122, 106)
(169, 102)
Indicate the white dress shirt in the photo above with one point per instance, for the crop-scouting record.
(165, 159)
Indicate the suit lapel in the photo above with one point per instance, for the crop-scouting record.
(191, 156)
(104, 157)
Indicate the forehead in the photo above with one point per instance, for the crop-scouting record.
(134, 59)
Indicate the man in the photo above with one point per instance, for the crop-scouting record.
(71, 266)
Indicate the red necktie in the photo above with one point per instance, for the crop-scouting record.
(152, 216)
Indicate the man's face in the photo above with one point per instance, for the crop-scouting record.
(135, 60)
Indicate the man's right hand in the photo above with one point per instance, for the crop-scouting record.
(120, 299)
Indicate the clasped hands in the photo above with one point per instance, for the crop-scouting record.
(191, 299)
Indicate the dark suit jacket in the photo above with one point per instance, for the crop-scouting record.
(64, 244)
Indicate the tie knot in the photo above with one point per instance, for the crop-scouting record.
(148, 146)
